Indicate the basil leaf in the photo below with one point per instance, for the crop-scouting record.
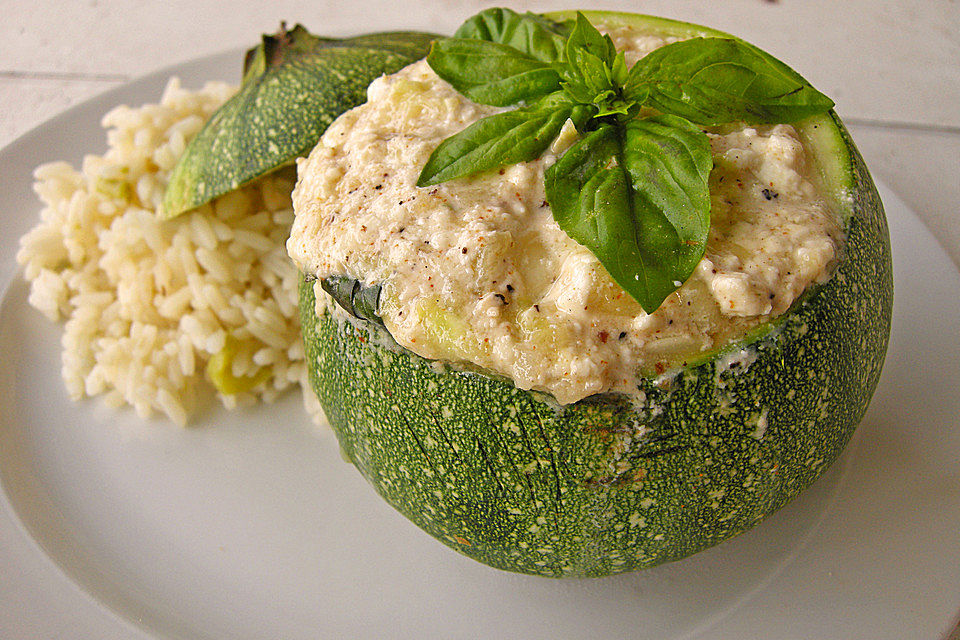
(717, 80)
(500, 140)
(637, 197)
(492, 73)
(593, 83)
(619, 70)
(529, 33)
(586, 38)
(594, 72)
(354, 297)
(669, 161)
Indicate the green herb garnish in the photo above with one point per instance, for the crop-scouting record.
(633, 189)
(359, 300)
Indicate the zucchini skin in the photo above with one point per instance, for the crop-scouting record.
(511, 479)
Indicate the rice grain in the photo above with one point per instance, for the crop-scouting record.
(148, 302)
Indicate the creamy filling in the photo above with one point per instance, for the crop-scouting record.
(476, 270)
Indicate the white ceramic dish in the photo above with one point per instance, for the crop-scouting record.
(250, 526)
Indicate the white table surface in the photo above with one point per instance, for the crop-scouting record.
(893, 68)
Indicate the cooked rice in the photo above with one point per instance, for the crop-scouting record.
(147, 302)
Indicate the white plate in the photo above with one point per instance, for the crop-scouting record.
(250, 526)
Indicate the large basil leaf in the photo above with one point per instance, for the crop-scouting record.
(637, 197)
(669, 162)
(529, 33)
(717, 80)
(294, 86)
(492, 73)
(500, 140)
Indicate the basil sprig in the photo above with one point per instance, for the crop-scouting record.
(634, 187)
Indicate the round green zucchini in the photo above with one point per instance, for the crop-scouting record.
(516, 481)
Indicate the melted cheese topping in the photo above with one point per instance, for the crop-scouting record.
(476, 270)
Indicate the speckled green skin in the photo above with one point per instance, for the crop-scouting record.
(280, 114)
(596, 487)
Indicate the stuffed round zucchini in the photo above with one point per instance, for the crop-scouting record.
(586, 293)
